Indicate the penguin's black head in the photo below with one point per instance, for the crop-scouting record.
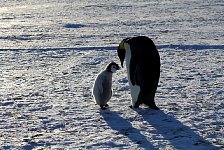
(112, 67)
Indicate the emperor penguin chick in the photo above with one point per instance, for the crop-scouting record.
(102, 91)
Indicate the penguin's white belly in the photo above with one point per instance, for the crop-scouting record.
(135, 89)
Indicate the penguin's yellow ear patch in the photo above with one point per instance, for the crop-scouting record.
(121, 45)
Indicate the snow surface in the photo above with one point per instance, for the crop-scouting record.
(51, 52)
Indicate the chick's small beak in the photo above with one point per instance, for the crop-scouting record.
(118, 68)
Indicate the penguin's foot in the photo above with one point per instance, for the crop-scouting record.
(102, 107)
(154, 107)
(134, 106)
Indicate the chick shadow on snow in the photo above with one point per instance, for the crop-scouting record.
(125, 128)
(170, 129)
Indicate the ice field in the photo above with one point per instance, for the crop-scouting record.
(51, 51)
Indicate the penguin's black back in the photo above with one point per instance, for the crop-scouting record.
(143, 48)
(145, 62)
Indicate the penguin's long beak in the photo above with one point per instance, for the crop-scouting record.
(122, 63)
(121, 53)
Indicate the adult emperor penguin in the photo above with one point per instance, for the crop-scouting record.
(143, 69)
(102, 91)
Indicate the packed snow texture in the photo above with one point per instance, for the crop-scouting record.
(51, 52)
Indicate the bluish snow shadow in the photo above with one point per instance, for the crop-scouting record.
(88, 48)
(63, 48)
(124, 127)
(179, 135)
(191, 47)
(33, 145)
(72, 25)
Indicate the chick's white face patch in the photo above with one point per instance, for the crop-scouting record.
(114, 68)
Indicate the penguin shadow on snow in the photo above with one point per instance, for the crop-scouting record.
(124, 127)
(176, 133)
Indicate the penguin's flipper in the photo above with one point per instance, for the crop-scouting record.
(100, 86)
(134, 47)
